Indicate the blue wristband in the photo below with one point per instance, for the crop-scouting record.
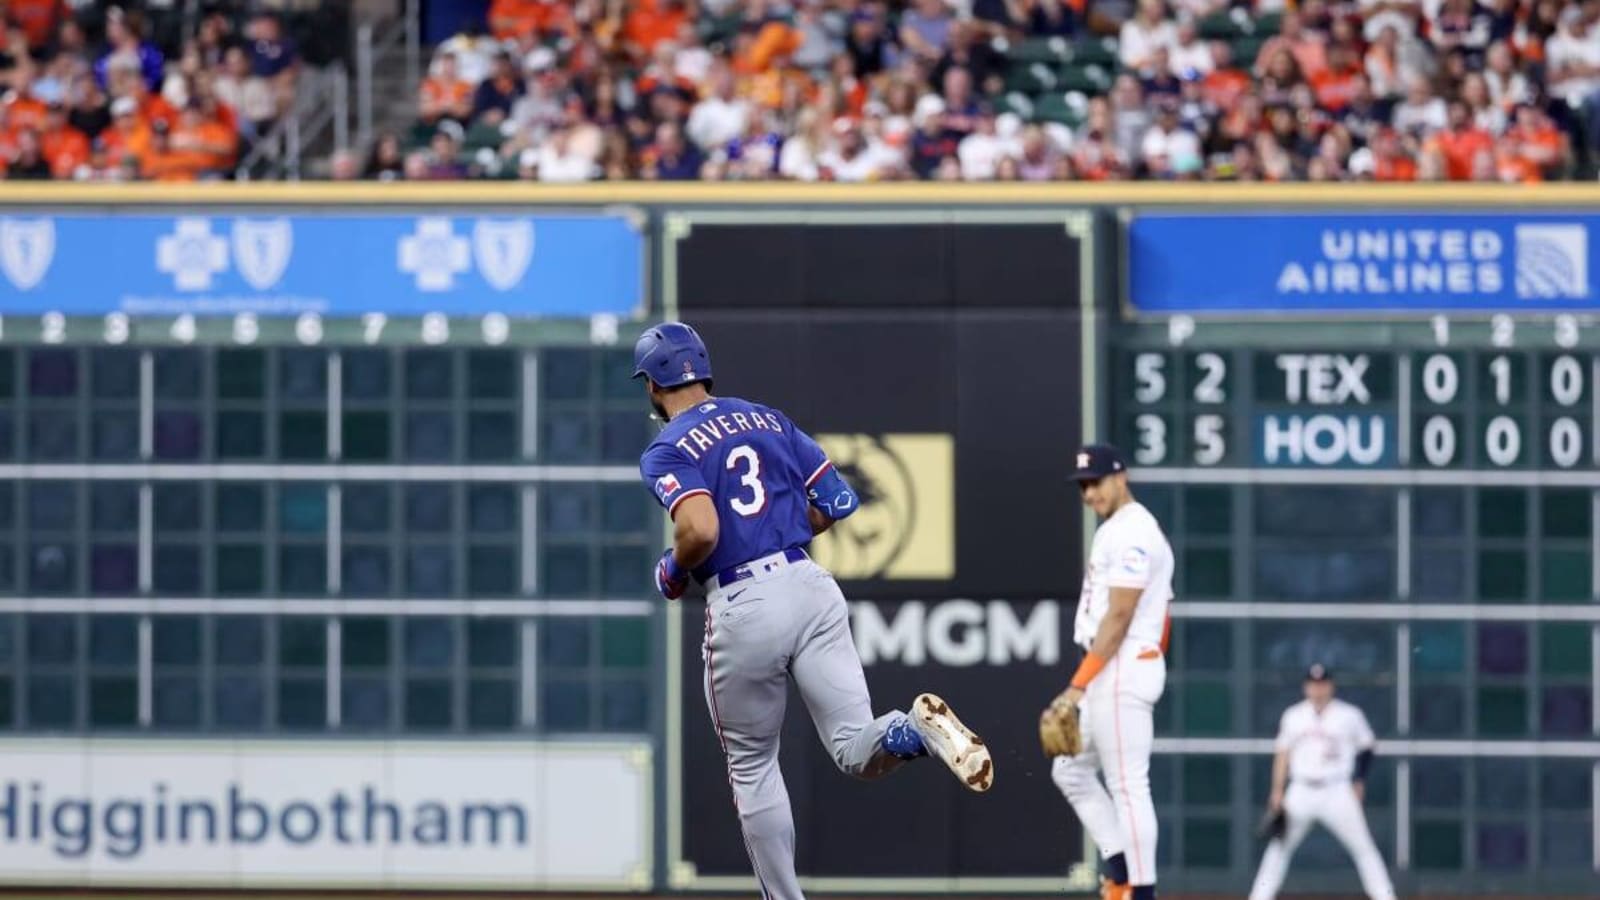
(674, 571)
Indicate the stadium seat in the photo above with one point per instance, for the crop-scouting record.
(1057, 107)
(1092, 80)
(1101, 52)
(1052, 50)
(1031, 78)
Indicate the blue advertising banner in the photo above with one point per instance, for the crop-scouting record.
(331, 264)
(1319, 263)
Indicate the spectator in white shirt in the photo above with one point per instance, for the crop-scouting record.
(719, 117)
(474, 52)
(1572, 59)
(1144, 32)
(852, 158)
(1421, 113)
(1381, 14)
(1168, 147)
(1190, 55)
(981, 151)
(1507, 86)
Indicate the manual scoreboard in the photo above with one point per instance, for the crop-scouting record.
(1290, 396)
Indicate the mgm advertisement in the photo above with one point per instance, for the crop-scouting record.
(955, 428)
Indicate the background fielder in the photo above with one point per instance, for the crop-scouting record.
(1121, 625)
(747, 490)
(1324, 750)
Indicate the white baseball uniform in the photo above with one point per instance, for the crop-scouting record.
(1117, 714)
(1322, 748)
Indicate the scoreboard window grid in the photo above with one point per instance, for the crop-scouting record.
(1255, 541)
(204, 536)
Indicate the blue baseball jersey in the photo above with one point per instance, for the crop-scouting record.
(753, 463)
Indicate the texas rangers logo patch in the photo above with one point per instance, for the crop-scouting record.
(667, 485)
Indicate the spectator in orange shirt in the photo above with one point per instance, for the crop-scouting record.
(23, 110)
(1391, 162)
(161, 163)
(1460, 143)
(517, 19)
(129, 136)
(1533, 148)
(1310, 55)
(65, 148)
(1336, 85)
(152, 107)
(445, 95)
(1225, 83)
(201, 144)
(652, 21)
(38, 19)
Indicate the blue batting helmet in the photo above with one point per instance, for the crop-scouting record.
(671, 354)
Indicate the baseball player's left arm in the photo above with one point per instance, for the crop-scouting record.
(829, 496)
(1129, 576)
(1366, 748)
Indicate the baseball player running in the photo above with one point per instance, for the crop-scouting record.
(1324, 749)
(747, 490)
(1122, 627)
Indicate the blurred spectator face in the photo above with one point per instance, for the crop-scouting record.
(447, 68)
(932, 9)
(118, 34)
(949, 170)
(1160, 62)
(1344, 32)
(1291, 26)
(236, 63)
(669, 139)
(1007, 170)
(1499, 58)
(1126, 93)
(388, 149)
(1460, 116)
(1152, 11)
(1281, 67)
(1475, 91)
(70, 38)
(416, 167)
(443, 147)
(957, 87)
(1419, 91)
(1340, 58)
(1318, 170)
(1221, 55)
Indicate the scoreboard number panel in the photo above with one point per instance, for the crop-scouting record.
(1486, 408)
(1182, 407)
(309, 329)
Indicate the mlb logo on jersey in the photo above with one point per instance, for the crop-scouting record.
(1135, 561)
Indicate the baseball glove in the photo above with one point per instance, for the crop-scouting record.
(1273, 825)
(1058, 730)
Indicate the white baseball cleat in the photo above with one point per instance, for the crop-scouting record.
(954, 743)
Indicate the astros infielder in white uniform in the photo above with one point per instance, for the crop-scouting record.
(1122, 627)
(1324, 749)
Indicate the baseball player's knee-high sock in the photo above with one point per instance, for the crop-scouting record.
(1078, 778)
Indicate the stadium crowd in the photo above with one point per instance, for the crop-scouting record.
(1032, 90)
(172, 92)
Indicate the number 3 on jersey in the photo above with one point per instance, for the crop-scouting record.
(747, 457)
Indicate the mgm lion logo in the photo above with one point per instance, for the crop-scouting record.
(905, 528)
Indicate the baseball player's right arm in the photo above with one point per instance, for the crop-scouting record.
(682, 491)
(1280, 764)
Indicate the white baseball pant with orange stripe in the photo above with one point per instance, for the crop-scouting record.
(1117, 717)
